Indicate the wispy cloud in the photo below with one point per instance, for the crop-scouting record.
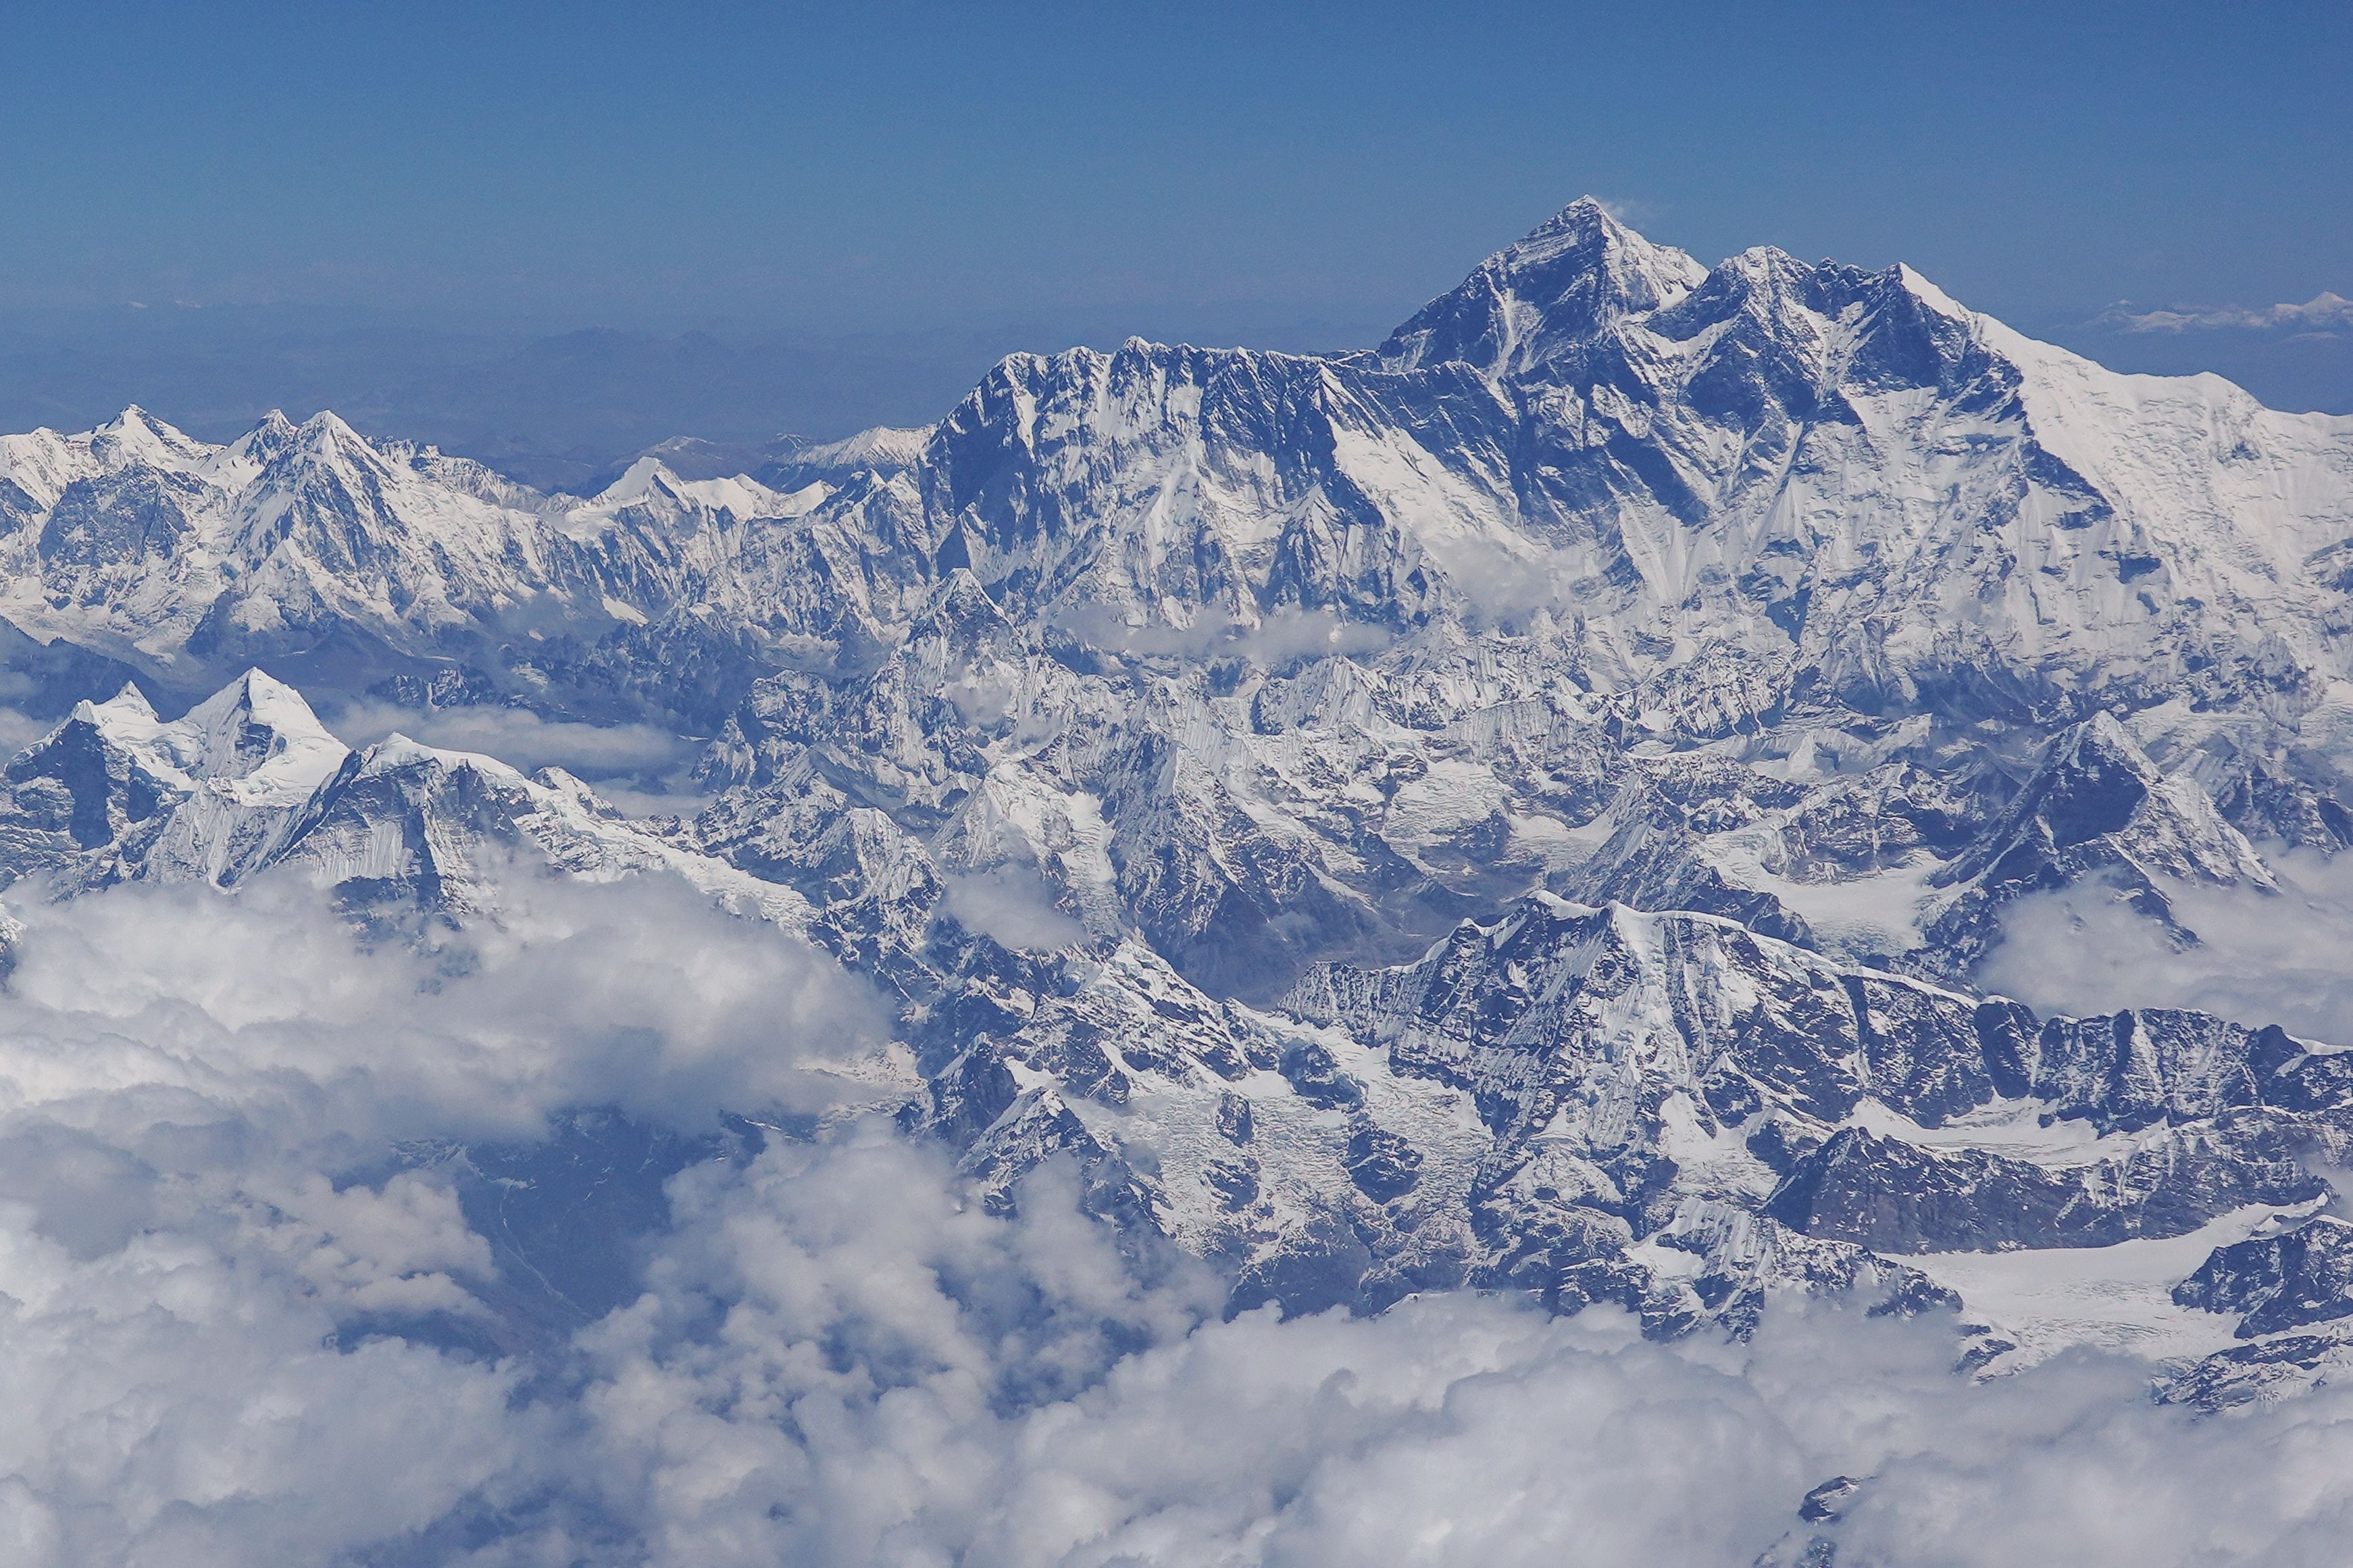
(521, 738)
(2324, 312)
(2262, 958)
(1634, 212)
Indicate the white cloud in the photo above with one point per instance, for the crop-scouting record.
(399, 1249)
(1634, 214)
(637, 994)
(835, 1358)
(18, 731)
(203, 1229)
(521, 739)
(1014, 904)
(825, 1374)
(1278, 638)
(2323, 313)
(891, 1376)
(2261, 958)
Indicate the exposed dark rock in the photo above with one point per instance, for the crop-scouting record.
(2297, 1277)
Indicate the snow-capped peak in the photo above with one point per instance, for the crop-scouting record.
(1574, 275)
(258, 729)
(649, 483)
(1586, 221)
(326, 437)
(269, 438)
(136, 436)
(1928, 294)
(256, 738)
(1796, 565)
(883, 450)
(128, 706)
(646, 477)
(397, 750)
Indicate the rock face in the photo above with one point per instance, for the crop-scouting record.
(1517, 807)
(2097, 807)
(2285, 1282)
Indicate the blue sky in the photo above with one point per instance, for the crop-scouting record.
(1298, 175)
(915, 164)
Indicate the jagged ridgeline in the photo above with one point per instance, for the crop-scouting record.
(1520, 806)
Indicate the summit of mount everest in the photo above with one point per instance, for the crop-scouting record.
(1526, 806)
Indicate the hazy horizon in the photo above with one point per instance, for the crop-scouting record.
(560, 404)
(777, 219)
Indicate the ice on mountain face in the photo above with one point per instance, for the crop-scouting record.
(1679, 468)
(2096, 811)
(1906, 865)
(2283, 1280)
(259, 734)
(115, 792)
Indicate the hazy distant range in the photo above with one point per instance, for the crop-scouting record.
(565, 407)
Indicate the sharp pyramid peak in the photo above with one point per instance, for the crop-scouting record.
(1574, 275)
(256, 689)
(1587, 216)
(1588, 226)
(130, 696)
(136, 432)
(128, 707)
(962, 590)
(2102, 735)
(638, 481)
(271, 435)
(254, 723)
(129, 703)
(961, 606)
(326, 429)
(1927, 293)
(325, 438)
(2091, 781)
(133, 420)
(327, 422)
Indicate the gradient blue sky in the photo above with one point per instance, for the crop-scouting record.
(898, 165)
(782, 218)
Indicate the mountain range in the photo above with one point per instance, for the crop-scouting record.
(1526, 806)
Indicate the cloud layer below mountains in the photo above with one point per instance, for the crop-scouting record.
(524, 739)
(2259, 958)
(234, 1317)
